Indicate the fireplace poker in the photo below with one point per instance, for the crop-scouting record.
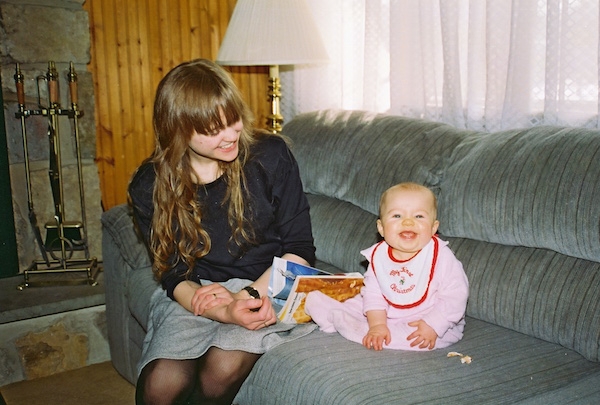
(22, 113)
(72, 77)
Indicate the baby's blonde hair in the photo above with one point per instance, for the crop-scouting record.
(408, 186)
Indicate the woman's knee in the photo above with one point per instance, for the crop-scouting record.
(165, 381)
(223, 372)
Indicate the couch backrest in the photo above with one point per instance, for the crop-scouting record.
(537, 187)
(521, 208)
(355, 155)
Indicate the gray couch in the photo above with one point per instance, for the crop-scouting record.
(521, 210)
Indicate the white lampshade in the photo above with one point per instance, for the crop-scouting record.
(271, 32)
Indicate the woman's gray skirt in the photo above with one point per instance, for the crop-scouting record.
(175, 333)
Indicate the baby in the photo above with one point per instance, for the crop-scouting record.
(415, 293)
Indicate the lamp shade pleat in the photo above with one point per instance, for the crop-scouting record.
(271, 32)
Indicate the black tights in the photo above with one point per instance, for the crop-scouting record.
(215, 378)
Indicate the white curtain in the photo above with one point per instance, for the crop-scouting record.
(477, 64)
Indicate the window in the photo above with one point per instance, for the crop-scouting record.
(478, 64)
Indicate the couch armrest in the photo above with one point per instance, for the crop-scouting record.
(123, 252)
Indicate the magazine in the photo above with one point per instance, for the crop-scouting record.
(291, 282)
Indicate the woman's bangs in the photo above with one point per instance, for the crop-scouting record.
(213, 115)
(229, 110)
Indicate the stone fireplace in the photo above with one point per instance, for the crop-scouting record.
(50, 337)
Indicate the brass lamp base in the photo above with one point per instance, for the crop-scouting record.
(275, 119)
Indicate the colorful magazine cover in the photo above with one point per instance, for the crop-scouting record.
(291, 282)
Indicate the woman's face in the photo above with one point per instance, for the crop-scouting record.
(221, 146)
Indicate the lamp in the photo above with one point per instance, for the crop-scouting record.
(271, 33)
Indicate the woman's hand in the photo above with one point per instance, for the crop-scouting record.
(215, 302)
(242, 309)
(210, 296)
(240, 312)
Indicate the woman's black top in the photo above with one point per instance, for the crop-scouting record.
(278, 209)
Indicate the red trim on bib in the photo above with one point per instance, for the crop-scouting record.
(431, 272)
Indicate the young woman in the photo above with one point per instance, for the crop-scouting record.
(215, 203)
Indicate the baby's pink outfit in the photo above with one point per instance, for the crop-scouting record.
(431, 286)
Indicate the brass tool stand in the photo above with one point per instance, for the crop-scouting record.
(63, 237)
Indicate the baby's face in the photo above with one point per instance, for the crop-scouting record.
(408, 221)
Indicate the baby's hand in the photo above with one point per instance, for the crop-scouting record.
(424, 336)
(377, 336)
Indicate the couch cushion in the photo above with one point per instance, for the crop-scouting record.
(537, 187)
(534, 291)
(118, 222)
(507, 367)
(341, 230)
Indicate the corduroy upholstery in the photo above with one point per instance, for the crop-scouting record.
(521, 210)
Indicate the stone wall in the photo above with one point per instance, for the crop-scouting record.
(33, 33)
(47, 345)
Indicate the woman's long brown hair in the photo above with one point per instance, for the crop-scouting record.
(195, 96)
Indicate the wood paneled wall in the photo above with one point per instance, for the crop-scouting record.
(134, 43)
